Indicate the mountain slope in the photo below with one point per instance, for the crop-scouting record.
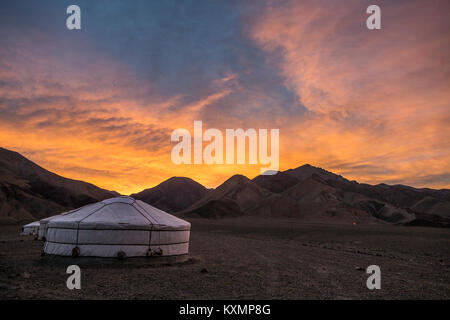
(319, 193)
(276, 183)
(174, 194)
(314, 194)
(28, 191)
(313, 200)
(234, 197)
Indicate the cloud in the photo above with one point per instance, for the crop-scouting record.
(370, 93)
(99, 105)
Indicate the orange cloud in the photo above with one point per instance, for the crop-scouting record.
(379, 100)
(96, 123)
(376, 102)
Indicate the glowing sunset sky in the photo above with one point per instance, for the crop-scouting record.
(100, 104)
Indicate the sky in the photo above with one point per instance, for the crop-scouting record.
(99, 104)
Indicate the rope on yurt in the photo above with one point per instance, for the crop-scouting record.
(149, 214)
(159, 251)
(159, 244)
(144, 215)
(76, 250)
(149, 251)
(75, 210)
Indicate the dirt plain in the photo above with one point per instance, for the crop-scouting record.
(249, 258)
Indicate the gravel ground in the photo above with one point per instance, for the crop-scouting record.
(246, 258)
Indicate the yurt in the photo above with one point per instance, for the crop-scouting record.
(30, 229)
(118, 227)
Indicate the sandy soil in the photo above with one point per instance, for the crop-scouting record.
(244, 258)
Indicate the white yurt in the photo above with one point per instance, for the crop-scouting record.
(30, 229)
(118, 227)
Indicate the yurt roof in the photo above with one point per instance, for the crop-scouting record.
(46, 220)
(119, 213)
(32, 224)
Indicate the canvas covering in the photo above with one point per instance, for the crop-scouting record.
(44, 222)
(119, 224)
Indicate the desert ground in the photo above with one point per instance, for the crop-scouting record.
(249, 258)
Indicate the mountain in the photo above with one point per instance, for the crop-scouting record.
(306, 171)
(174, 194)
(320, 194)
(29, 192)
(276, 183)
(312, 199)
(234, 197)
(214, 209)
(314, 194)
